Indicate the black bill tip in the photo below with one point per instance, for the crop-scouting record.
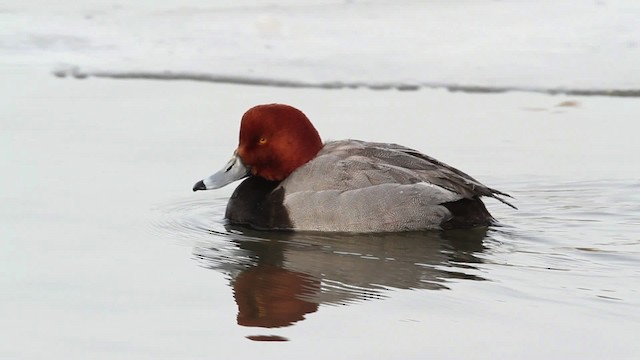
(199, 186)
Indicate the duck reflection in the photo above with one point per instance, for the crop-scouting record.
(270, 296)
(279, 277)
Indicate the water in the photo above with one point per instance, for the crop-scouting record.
(106, 252)
(570, 245)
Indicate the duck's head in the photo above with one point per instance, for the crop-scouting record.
(275, 139)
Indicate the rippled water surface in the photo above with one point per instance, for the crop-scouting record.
(564, 237)
(107, 253)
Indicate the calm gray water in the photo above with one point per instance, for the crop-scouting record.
(106, 252)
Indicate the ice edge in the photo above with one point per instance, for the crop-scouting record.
(79, 73)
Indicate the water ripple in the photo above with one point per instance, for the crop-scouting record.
(191, 219)
(328, 268)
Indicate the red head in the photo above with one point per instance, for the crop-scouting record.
(276, 139)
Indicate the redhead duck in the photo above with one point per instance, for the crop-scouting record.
(295, 182)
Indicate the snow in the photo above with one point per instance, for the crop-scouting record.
(573, 45)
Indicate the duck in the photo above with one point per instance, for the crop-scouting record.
(294, 181)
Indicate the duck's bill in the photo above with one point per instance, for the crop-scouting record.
(234, 170)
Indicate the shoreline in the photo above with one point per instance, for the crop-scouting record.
(79, 73)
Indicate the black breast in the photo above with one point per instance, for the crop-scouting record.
(255, 202)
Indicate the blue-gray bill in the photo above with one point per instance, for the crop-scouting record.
(232, 171)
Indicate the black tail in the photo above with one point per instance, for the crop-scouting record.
(468, 213)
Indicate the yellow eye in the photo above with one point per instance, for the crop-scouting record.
(262, 141)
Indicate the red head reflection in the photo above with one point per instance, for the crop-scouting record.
(269, 296)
